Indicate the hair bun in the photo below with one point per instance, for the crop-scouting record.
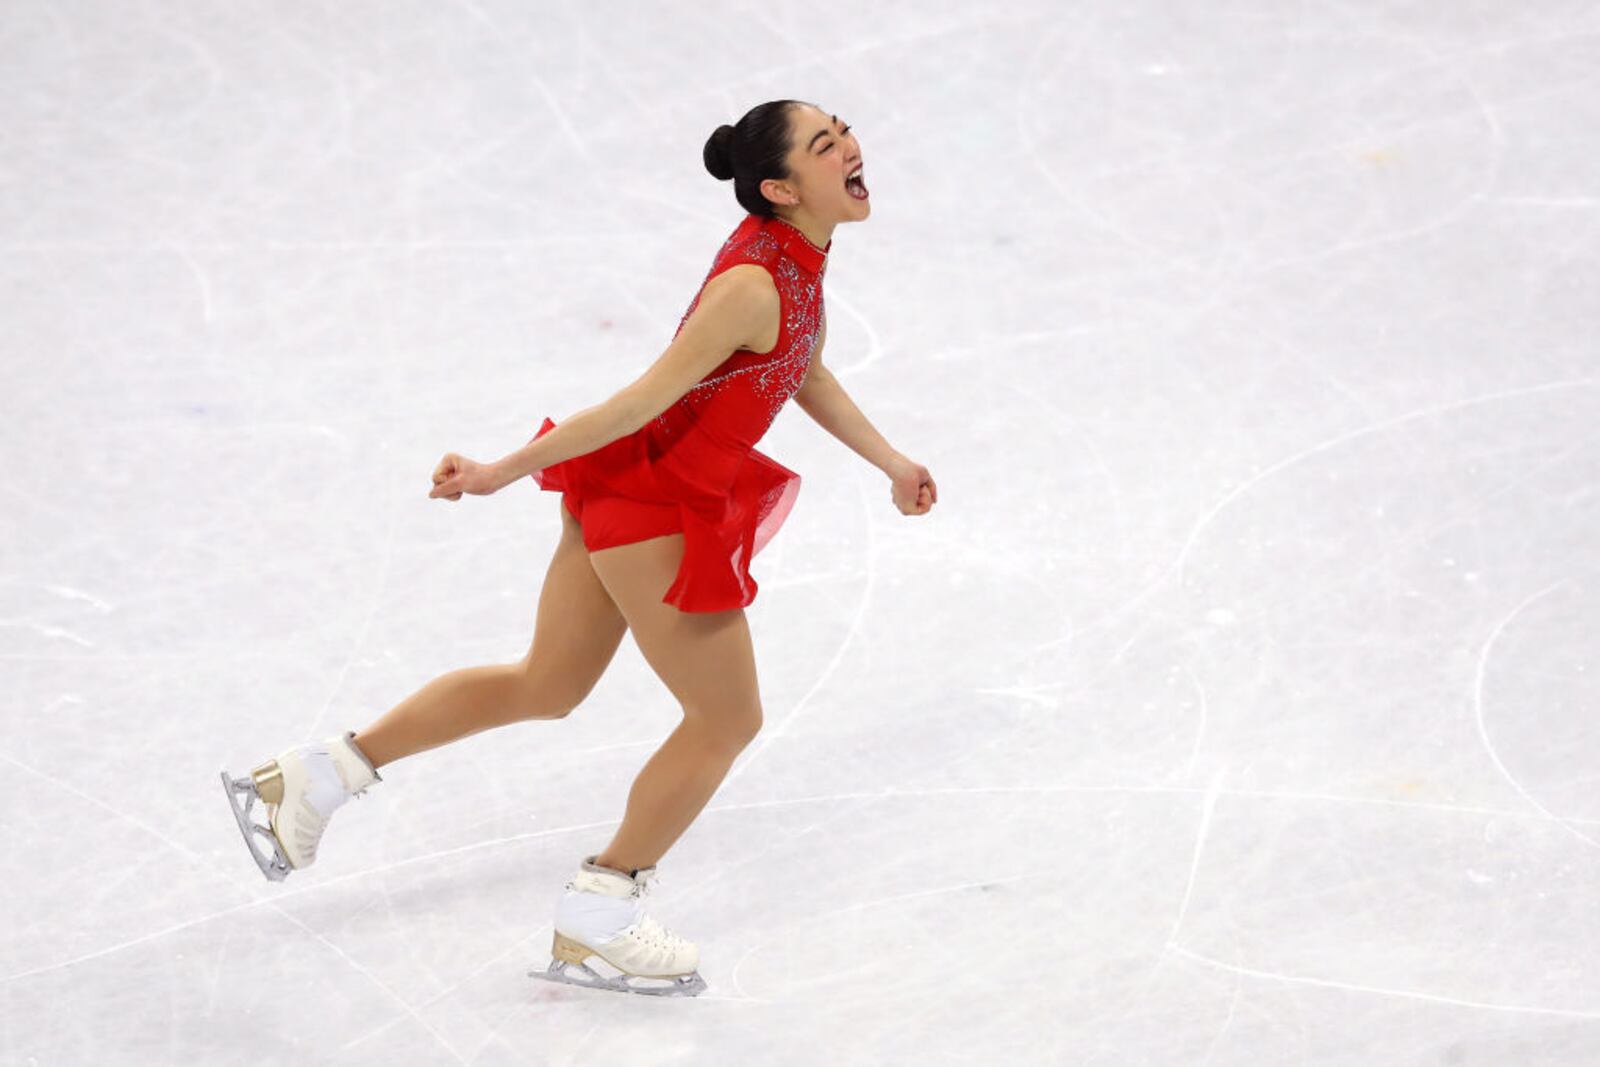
(719, 153)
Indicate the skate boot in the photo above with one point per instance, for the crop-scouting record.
(602, 915)
(302, 789)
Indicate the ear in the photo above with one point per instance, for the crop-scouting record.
(779, 192)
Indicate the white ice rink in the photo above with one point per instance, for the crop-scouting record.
(1235, 706)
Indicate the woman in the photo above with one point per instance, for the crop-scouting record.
(664, 500)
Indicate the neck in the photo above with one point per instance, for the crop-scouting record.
(816, 232)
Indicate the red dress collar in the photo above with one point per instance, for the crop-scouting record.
(797, 246)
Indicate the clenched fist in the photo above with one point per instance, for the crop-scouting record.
(457, 474)
(912, 488)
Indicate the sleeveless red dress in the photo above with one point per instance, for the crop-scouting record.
(695, 467)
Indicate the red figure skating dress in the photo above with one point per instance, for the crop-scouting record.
(694, 468)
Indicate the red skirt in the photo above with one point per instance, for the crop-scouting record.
(618, 496)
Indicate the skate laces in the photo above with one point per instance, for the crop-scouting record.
(654, 933)
(648, 928)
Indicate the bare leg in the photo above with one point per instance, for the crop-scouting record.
(669, 793)
(452, 706)
(708, 662)
(577, 631)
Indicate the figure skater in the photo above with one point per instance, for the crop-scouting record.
(664, 501)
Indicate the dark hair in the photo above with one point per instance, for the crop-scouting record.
(751, 151)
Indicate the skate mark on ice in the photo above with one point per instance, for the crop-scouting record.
(1139, 996)
(1205, 520)
(1233, 1009)
(1352, 987)
(1200, 728)
(1056, 419)
(523, 944)
(883, 794)
(770, 735)
(891, 792)
(1483, 729)
(874, 342)
(1176, 567)
(873, 903)
(389, 812)
(372, 613)
(200, 862)
(277, 897)
(1206, 808)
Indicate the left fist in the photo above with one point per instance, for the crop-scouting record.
(912, 488)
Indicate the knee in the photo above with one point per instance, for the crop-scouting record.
(747, 728)
(551, 688)
(544, 700)
(557, 704)
(729, 731)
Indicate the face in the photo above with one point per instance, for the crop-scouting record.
(823, 152)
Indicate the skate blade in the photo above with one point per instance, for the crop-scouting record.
(275, 865)
(566, 953)
(683, 985)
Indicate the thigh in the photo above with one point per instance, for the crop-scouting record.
(578, 628)
(706, 659)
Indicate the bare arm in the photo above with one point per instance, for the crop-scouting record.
(821, 396)
(825, 400)
(583, 431)
(736, 306)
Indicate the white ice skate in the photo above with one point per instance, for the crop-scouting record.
(302, 789)
(601, 914)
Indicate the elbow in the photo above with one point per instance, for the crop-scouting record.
(632, 409)
(817, 381)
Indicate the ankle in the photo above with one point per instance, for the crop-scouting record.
(367, 751)
(601, 861)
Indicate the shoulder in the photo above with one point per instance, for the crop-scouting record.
(749, 284)
(736, 304)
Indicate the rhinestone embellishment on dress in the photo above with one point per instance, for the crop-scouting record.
(774, 376)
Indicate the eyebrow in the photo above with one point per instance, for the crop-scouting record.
(819, 133)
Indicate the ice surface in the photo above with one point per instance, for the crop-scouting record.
(1236, 704)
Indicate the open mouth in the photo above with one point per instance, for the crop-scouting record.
(855, 186)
